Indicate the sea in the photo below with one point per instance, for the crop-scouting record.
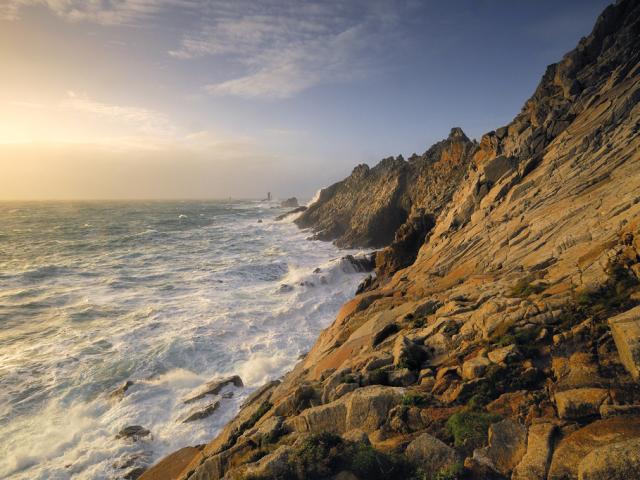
(165, 294)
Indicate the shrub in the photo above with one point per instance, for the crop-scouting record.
(469, 427)
(451, 472)
(378, 377)
(524, 287)
(414, 399)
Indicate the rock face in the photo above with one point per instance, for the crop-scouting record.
(497, 326)
(394, 203)
(626, 333)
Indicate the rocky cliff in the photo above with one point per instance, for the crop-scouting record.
(504, 338)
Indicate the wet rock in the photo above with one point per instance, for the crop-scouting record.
(431, 454)
(200, 413)
(214, 387)
(119, 393)
(134, 473)
(299, 209)
(617, 461)
(361, 263)
(625, 329)
(133, 432)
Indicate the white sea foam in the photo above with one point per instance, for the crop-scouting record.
(188, 300)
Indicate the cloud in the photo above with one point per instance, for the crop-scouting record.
(105, 12)
(145, 120)
(283, 48)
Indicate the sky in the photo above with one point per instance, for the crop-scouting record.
(169, 99)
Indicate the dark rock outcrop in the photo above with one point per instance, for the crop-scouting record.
(289, 203)
(394, 201)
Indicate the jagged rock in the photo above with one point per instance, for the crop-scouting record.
(535, 462)
(402, 377)
(289, 203)
(133, 432)
(431, 454)
(580, 402)
(299, 209)
(619, 461)
(507, 445)
(406, 353)
(366, 409)
(503, 355)
(214, 387)
(295, 401)
(577, 445)
(199, 413)
(475, 367)
(271, 464)
(625, 329)
(369, 207)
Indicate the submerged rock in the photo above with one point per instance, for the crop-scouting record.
(133, 432)
(199, 413)
(214, 387)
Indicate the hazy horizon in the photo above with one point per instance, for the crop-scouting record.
(187, 99)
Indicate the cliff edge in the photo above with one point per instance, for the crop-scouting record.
(502, 339)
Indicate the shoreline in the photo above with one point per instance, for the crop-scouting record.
(498, 337)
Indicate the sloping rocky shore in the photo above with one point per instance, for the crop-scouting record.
(501, 335)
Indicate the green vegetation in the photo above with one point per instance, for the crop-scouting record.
(324, 454)
(469, 427)
(525, 287)
(611, 297)
(452, 472)
(414, 399)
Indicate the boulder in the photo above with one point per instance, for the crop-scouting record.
(578, 444)
(535, 462)
(475, 367)
(580, 402)
(507, 446)
(401, 377)
(199, 413)
(407, 354)
(625, 329)
(431, 454)
(503, 355)
(270, 465)
(618, 461)
(289, 203)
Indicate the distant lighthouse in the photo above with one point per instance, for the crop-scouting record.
(269, 196)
